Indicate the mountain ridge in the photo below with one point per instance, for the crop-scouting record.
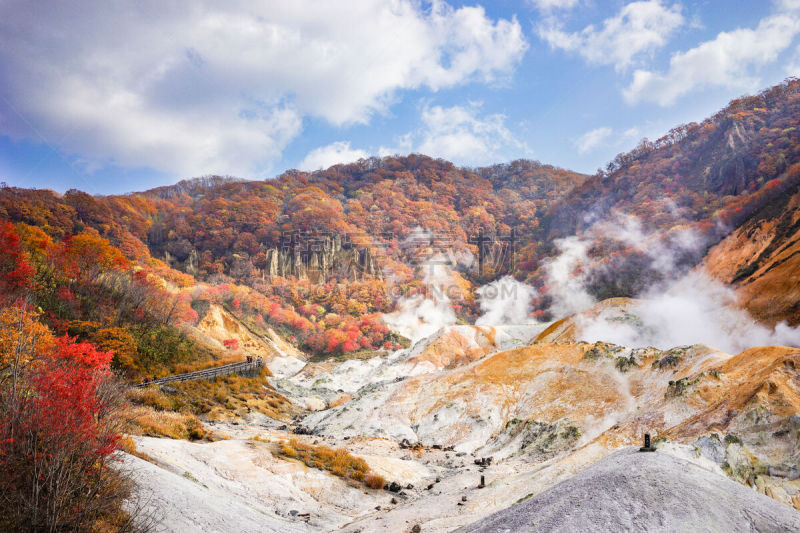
(406, 210)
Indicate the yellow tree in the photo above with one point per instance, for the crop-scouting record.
(22, 340)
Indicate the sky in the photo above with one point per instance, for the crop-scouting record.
(114, 97)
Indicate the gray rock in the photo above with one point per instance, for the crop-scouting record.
(631, 491)
(711, 448)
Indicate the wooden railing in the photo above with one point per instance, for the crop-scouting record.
(243, 367)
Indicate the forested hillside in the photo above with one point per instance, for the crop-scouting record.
(371, 219)
(701, 179)
(133, 268)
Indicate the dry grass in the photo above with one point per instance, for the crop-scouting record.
(143, 420)
(230, 396)
(128, 445)
(152, 397)
(175, 415)
(219, 360)
(225, 398)
(337, 461)
(374, 481)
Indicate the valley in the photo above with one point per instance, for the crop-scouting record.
(535, 403)
(444, 348)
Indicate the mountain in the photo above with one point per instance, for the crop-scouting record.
(362, 228)
(376, 202)
(704, 179)
(401, 348)
(343, 229)
(720, 170)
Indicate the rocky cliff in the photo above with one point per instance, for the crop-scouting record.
(319, 259)
(761, 259)
(314, 258)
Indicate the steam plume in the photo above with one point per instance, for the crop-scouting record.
(687, 308)
(419, 316)
(505, 301)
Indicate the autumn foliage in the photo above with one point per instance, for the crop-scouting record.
(58, 428)
(140, 268)
(16, 273)
(231, 344)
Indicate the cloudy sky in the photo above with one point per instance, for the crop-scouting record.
(114, 96)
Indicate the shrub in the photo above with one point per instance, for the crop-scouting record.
(677, 388)
(374, 481)
(623, 364)
(288, 451)
(154, 398)
(231, 344)
(338, 462)
(59, 426)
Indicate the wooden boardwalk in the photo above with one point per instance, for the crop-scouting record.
(210, 373)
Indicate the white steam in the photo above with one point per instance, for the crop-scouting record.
(505, 301)
(695, 309)
(419, 316)
(566, 277)
(567, 273)
(662, 250)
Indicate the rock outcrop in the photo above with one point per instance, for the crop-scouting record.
(545, 400)
(218, 325)
(318, 259)
(762, 260)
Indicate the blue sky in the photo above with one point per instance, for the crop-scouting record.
(112, 100)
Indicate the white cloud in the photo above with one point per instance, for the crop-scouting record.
(727, 61)
(332, 154)
(788, 5)
(195, 88)
(639, 28)
(461, 135)
(592, 139)
(548, 5)
(632, 132)
(793, 65)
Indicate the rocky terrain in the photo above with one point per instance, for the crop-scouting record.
(762, 260)
(471, 420)
(401, 343)
(219, 325)
(619, 492)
